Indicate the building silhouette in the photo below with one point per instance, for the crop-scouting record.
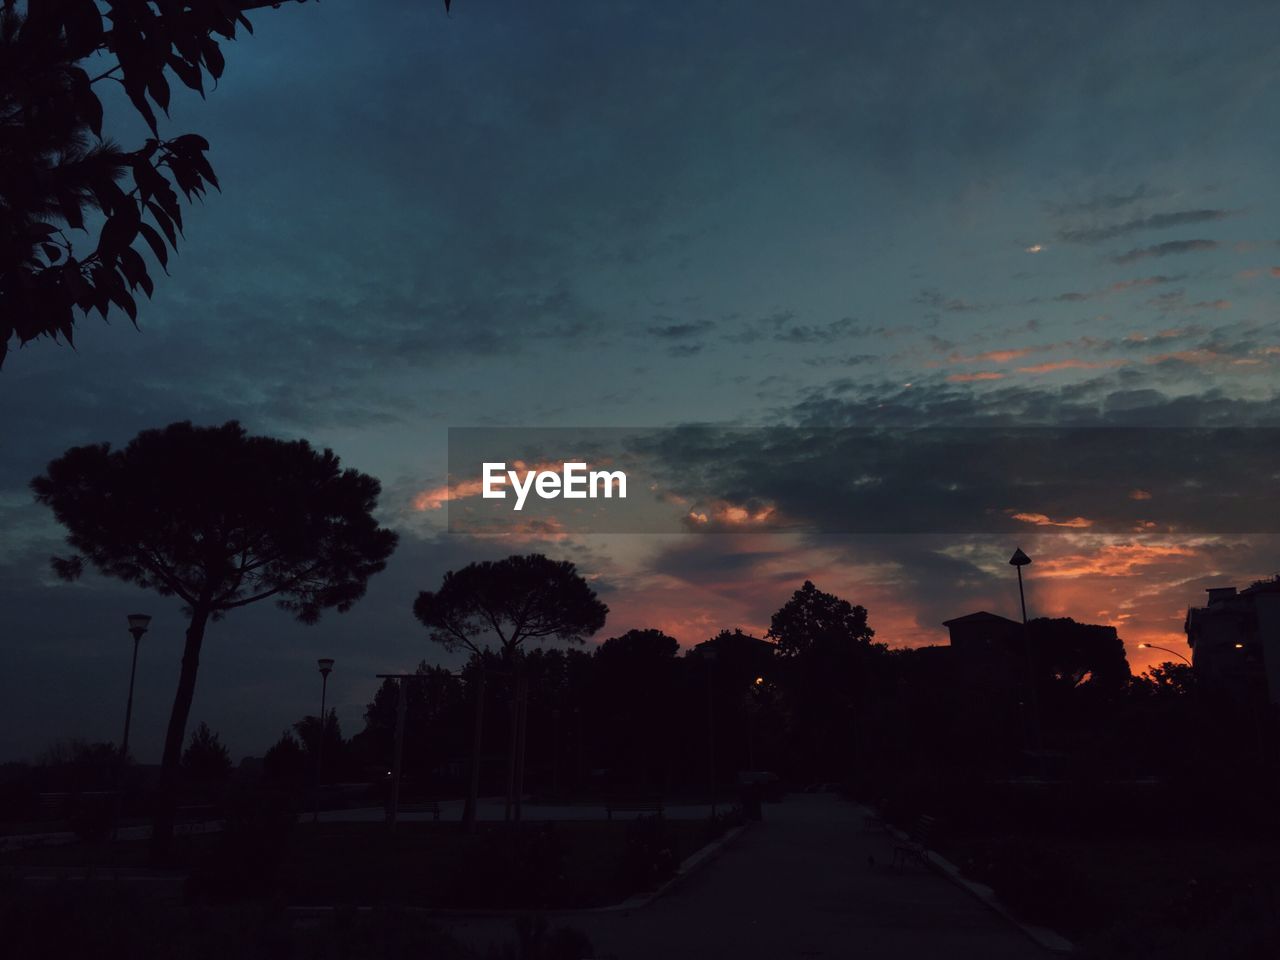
(1235, 640)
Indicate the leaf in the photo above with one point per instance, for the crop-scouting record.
(159, 89)
(118, 232)
(189, 141)
(72, 280)
(120, 296)
(213, 60)
(165, 223)
(188, 73)
(134, 267)
(82, 22)
(137, 96)
(156, 244)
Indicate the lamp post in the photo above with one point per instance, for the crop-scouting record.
(1018, 561)
(709, 656)
(138, 623)
(1156, 646)
(326, 667)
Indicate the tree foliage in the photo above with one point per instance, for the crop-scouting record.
(219, 519)
(60, 174)
(206, 759)
(517, 599)
(813, 621)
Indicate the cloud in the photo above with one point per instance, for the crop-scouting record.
(1072, 364)
(935, 299)
(993, 356)
(1159, 221)
(1108, 201)
(981, 375)
(1042, 520)
(1170, 248)
(782, 327)
(679, 331)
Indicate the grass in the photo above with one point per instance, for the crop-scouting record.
(1166, 894)
(566, 864)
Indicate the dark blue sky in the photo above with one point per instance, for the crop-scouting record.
(621, 214)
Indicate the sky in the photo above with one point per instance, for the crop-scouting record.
(619, 214)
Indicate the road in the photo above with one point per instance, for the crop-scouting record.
(808, 882)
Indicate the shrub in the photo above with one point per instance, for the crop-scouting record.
(650, 855)
(247, 855)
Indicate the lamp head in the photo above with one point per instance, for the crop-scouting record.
(138, 623)
(325, 664)
(1019, 559)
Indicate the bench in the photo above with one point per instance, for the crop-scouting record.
(196, 812)
(633, 806)
(53, 806)
(875, 820)
(915, 845)
(420, 806)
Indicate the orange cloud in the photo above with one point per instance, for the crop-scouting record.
(1073, 364)
(1139, 495)
(1114, 560)
(731, 515)
(1043, 520)
(973, 377)
(992, 356)
(436, 497)
(1200, 356)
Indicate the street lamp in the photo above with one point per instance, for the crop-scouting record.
(326, 667)
(1018, 561)
(709, 657)
(138, 623)
(1156, 646)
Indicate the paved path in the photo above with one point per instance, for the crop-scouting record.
(799, 885)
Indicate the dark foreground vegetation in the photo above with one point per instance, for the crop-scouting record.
(114, 923)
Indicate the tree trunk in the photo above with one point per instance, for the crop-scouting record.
(513, 708)
(522, 719)
(469, 812)
(167, 792)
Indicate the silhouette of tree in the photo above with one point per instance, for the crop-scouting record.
(1068, 654)
(827, 654)
(811, 620)
(59, 174)
(206, 760)
(219, 519)
(285, 762)
(635, 684)
(514, 600)
(309, 734)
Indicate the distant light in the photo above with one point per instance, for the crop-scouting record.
(759, 681)
(1035, 248)
(1239, 646)
(1143, 646)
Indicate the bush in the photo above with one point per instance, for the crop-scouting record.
(650, 855)
(1039, 886)
(247, 855)
(515, 865)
